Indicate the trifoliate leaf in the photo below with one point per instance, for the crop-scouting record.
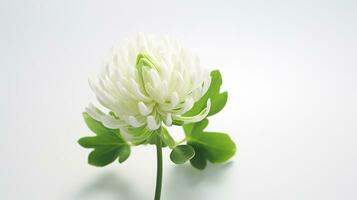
(212, 146)
(218, 100)
(108, 145)
(181, 154)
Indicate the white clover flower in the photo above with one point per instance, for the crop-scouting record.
(148, 82)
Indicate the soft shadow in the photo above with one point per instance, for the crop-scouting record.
(108, 186)
(184, 179)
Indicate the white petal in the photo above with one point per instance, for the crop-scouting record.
(187, 105)
(109, 122)
(154, 93)
(137, 92)
(155, 77)
(164, 71)
(143, 109)
(196, 94)
(180, 80)
(127, 136)
(151, 123)
(164, 88)
(168, 120)
(133, 122)
(94, 112)
(174, 99)
(195, 118)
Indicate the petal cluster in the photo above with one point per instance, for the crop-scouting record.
(147, 82)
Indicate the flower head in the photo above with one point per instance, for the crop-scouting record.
(148, 82)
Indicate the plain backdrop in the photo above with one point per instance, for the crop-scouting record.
(290, 69)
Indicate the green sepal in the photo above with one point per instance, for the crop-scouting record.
(167, 140)
(141, 135)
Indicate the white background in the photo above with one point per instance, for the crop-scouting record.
(289, 68)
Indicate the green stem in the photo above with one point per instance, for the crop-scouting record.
(182, 141)
(159, 168)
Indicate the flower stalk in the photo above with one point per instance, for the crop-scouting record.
(159, 167)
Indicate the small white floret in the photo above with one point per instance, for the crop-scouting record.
(151, 123)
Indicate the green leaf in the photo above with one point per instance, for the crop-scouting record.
(102, 156)
(199, 161)
(109, 140)
(108, 145)
(218, 146)
(212, 146)
(199, 126)
(124, 153)
(181, 154)
(218, 100)
(187, 128)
